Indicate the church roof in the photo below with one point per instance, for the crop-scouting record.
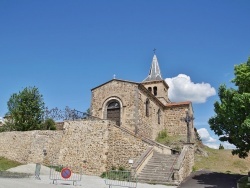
(115, 79)
(178, 103)
(155, 72)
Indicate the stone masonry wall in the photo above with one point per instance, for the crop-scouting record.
(187, 164)
(174, 121)
(85, 140)
(28, 147)
(98, 142)
(149, 126)
(123, 146)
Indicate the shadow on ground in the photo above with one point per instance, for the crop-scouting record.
(207, 179)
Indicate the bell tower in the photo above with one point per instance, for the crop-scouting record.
(155, 84)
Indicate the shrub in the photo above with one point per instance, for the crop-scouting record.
(162, 137)
(221, 146)
(49, 124)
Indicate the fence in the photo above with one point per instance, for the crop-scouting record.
(65, 173)
(121, 179)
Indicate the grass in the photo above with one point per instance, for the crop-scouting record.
(6, 164)
(175, 142)
(221, 161)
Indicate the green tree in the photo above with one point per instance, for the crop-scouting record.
(232, 119)
(26, 110)
(221, 146)
(49, 124)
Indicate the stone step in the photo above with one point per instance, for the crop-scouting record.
(146, 171)
(164, 156)
(155, 180)
(158, 169)
(155, 176)
(160, 162)
(163, 159)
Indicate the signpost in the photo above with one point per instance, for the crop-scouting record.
(37, 172)
(66, 173)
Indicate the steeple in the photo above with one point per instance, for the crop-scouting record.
(154, 73)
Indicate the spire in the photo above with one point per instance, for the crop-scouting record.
(154, 73)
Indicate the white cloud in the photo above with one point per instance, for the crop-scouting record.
(214, 145)
(205, 136)
(181, 88)
(211, 142)
(228, 146)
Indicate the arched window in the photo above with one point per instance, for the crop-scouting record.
(150, 89)
(113, 104)
(159, 116)
(113, 111)
(147, 107)
(155, 91)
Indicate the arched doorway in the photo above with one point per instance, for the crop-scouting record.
(113, 111)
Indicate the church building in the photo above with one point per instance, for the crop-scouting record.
(144, 107)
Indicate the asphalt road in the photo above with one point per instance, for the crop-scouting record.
(208, 179)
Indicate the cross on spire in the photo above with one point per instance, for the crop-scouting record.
(154, 50)
(154, 73)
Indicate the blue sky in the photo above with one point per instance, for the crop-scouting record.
(65, 48)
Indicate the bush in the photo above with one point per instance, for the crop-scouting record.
(49, 124)
(162, 137)
(221, 146)
(117, 174)
(57, 168)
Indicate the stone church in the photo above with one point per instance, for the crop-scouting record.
(129, 116)
(143, 108)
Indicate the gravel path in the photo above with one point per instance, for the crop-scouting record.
(45, 182)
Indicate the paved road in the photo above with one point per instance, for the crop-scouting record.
(208, 179)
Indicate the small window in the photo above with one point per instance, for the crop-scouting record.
(159, 116)
(150, 89)
(147, 107)
(155, 91)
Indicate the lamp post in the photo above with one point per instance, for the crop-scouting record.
(188, 119)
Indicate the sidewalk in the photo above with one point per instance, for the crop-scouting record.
(45, 182)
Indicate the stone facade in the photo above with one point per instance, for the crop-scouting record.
(132, 98)
(174, 116)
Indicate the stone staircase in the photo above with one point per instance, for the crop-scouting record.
(158, 170)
